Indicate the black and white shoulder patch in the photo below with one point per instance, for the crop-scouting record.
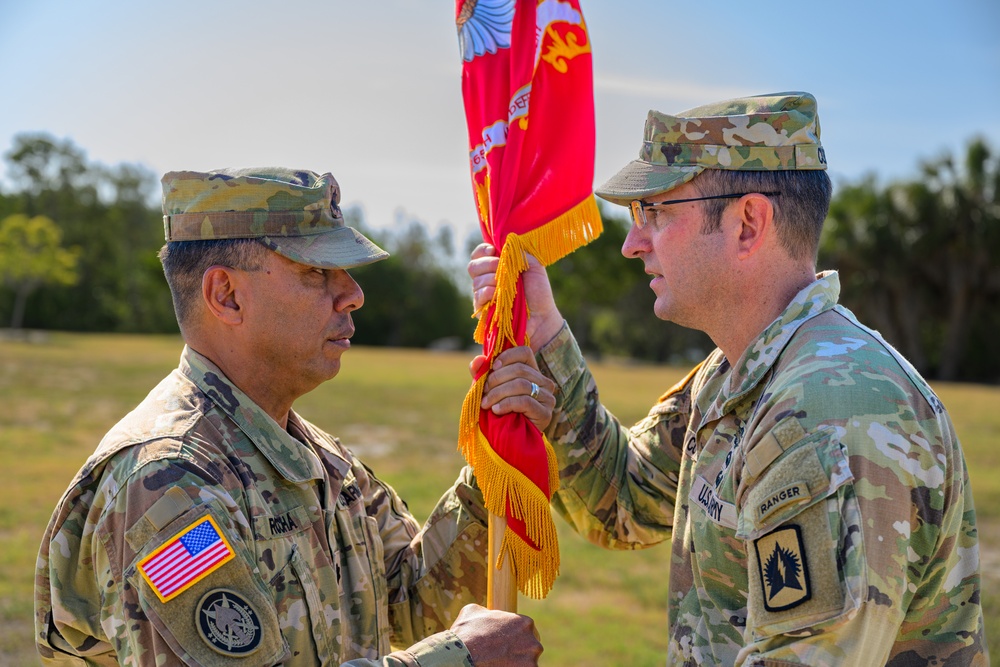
(228, 623)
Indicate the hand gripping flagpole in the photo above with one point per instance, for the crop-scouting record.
(507, 491)
(527, 85)
(502, 327)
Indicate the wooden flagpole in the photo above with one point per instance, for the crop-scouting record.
(501, 583)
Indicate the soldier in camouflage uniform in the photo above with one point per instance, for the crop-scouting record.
(811, 482)
(213, 525)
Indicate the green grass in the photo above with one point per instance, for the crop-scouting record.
(398, 410)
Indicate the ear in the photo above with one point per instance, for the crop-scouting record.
(756, 217)
(218, 289)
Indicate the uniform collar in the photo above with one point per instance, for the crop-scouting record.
(818, 297)
(294, 460)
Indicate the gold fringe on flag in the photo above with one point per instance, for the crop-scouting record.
(501, 483)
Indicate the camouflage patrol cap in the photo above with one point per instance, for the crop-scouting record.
(778, 131)
(295, 213)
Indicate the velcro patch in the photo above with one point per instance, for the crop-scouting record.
(781, 564)
(186, 558)
(785, 434)
(788, 432)
(171, 505)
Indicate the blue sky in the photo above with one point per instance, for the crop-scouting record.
(371, 90)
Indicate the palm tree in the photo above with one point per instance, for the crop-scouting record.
(920, 260)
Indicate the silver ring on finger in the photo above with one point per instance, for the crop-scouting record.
(534, 390)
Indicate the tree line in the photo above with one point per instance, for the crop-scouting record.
(919, 261)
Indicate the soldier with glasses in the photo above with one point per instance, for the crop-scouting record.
(812, 484)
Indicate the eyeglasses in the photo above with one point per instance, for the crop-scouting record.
(637, 208)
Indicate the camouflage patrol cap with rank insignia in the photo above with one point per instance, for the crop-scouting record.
(778, 131)
(295, 213)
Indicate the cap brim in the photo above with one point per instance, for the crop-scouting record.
(339, 248)
(639, 179)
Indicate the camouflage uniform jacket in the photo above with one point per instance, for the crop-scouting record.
(816, 494)
(318, 562)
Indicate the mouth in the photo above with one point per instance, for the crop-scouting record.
(342, 339)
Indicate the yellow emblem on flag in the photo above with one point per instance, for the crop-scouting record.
(781, 564)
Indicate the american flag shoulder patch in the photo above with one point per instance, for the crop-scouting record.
(186, 558)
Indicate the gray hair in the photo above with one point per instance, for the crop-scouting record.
(185, 263)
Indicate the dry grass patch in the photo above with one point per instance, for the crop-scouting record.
(398, 409)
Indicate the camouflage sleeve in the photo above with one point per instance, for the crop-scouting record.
(443, 649)
(66, 630)
(115, 598)
(861, 538)
(433, 572)
(618, 485)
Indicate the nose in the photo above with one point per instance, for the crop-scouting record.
(347, 294)
(636, 242)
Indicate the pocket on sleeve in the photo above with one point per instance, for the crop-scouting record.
(801, 525)
(196, 585)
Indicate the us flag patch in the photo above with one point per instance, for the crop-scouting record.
(186, 558)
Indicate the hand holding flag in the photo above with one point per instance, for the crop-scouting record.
(528, 90)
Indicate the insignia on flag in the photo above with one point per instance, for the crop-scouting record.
(186, 558)
(781, 564)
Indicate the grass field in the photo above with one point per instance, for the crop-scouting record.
(398, 410)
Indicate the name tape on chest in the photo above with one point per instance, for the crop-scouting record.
(267, 527)
(285, 523)
(349, 494)
(186, 558)
(719, 511)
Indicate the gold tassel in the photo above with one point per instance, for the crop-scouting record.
(536, 571)
(549, 243)
(562, 235)
(501, 483)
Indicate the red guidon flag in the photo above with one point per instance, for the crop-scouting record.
(527, 83)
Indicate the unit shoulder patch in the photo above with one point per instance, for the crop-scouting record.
(782, 567)
(228, 623)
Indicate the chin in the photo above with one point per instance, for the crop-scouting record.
(661, 310)
(326, 372)
(664, 312)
